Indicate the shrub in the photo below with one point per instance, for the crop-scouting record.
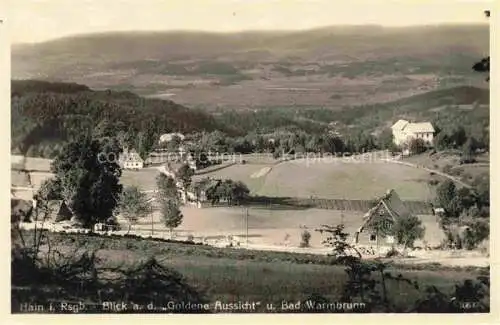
(466, 160)
(433, 182)
(447, 169)
(416, 146)
(190, 237)
(305, 238)
(392, 253)
(475, 234)
(456, 171)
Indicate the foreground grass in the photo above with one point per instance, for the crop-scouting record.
(270, 277)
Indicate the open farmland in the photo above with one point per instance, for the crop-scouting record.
(242, 173)
(325, 178)
(266, 226)
(329, 66)
(333, 178)
(448, 162)
(145, 178)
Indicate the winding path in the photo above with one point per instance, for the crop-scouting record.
(437, 172)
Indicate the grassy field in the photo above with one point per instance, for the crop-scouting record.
(324, 178)
(333, 179)
(39, 171)
(236, 274)
(145, 179)
(268, 226)
(448, 162)
(240, 172)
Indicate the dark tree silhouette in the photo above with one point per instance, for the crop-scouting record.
(484, 64)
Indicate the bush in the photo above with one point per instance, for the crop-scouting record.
(433, 182)
(456, 171)
(447, 169)
(467, 160)
(475, 234)
(392, 253)
(305, 238)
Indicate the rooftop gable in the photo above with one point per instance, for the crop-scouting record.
(130, 156)
(399, 125)
(424, 127)
(392, 203)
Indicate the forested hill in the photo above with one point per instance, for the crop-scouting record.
(44, 115)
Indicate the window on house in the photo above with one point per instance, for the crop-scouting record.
(373, 237)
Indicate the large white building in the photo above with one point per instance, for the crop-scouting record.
(167, 137)
(403, 131)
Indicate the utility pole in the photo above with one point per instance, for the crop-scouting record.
(246, 217)
(342, 212)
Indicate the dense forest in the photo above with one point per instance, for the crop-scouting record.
(44, 115)
(447, 109)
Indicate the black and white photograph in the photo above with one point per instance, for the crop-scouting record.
(249, 157)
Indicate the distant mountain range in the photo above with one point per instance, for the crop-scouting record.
(329, 43)
(198, 67)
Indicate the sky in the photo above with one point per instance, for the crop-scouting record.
(40, 20)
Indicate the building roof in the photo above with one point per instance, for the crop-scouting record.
(130, 156)
(392, 203)
(400, 125)
(169, 136)
(424, 127)
(58, 211)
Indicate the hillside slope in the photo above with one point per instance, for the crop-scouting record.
(44, 115)
(451, 107)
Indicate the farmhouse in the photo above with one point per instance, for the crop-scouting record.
(379, 220)
(130, 159)
(403, 131)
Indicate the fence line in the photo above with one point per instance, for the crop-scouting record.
(415, 207)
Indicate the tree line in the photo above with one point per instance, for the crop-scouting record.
(46, 115)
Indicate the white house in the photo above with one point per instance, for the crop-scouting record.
(167, 137)
(403, 131)
(131, 160)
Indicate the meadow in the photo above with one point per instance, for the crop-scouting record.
(270, 226)
(330, 178)
(448, 162)
(270, 277)
(333, 178)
